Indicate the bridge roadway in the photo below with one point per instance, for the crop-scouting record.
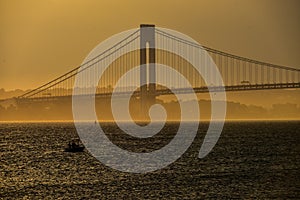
(243, 87)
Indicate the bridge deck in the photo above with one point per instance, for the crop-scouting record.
(243, 87)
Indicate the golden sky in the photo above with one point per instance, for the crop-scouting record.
(42, 39)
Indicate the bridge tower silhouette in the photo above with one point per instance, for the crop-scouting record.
(147, 67)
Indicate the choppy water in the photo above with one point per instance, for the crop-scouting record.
(250, 160)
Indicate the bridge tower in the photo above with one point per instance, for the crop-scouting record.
(147, 68)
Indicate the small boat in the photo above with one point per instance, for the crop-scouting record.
(74, 146)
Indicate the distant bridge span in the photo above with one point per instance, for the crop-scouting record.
(238, 73)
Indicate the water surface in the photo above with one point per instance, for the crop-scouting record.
(250, 160)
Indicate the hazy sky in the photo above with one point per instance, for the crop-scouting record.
(41, 39)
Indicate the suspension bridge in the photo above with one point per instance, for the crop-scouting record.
(238, 73)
